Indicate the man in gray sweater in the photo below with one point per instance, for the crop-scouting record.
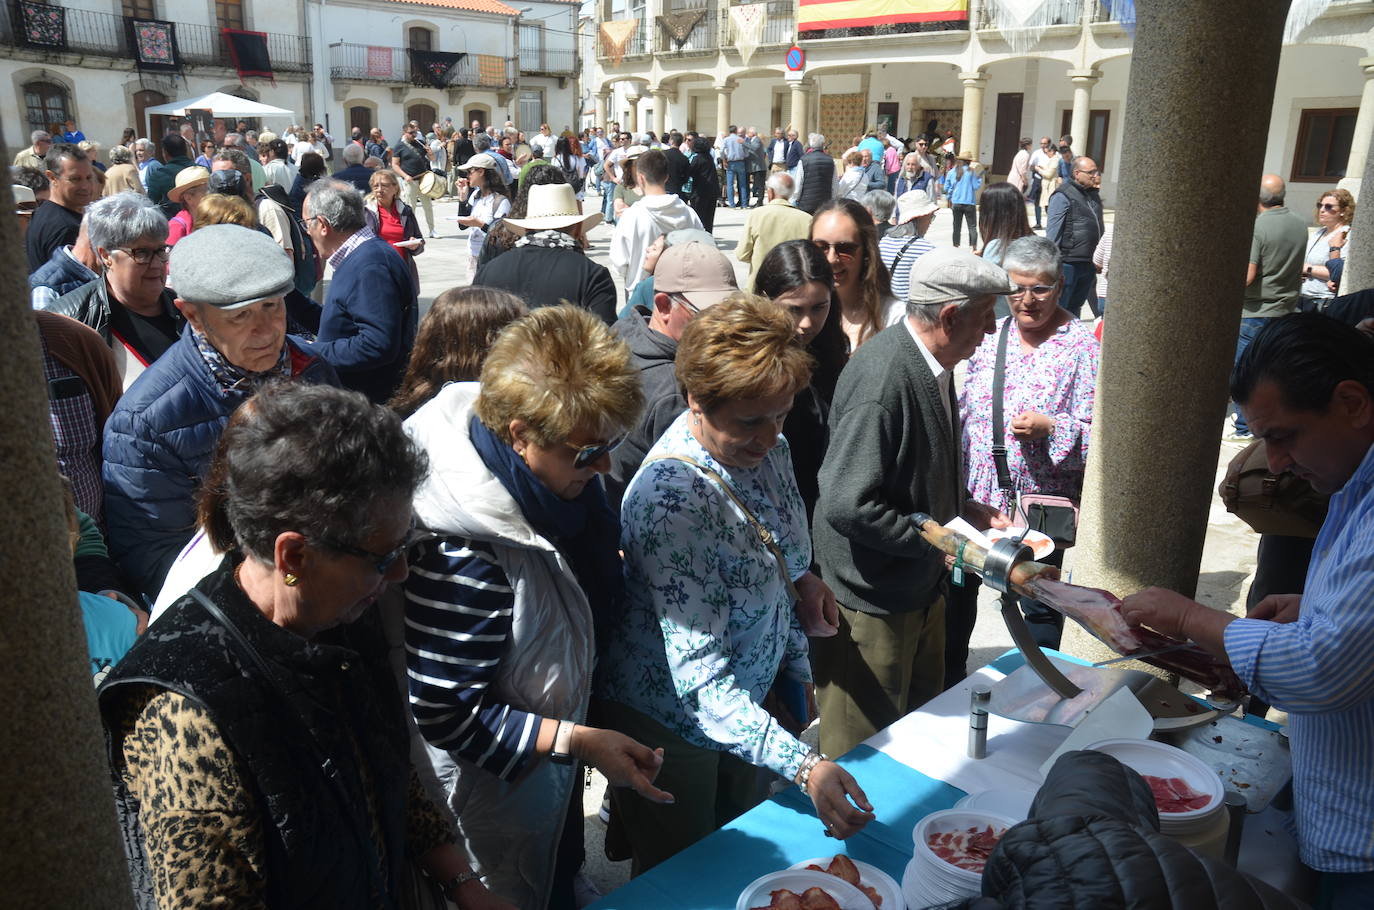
(894, 450)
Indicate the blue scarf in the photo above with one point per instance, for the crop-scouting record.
(584, 530)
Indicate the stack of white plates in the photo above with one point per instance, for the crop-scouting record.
(1146, 756)
(1014, 804)
(929, 879)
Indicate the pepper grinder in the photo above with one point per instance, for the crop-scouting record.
(978, 720)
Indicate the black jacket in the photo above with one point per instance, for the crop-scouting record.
(677, 170)
(544, 276)
(336, 690)
(1082, 224)
(705, 180)
(1092, 842)
(90, 304)
(818, 181)
(652, 353)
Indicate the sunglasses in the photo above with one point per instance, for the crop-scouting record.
(589, 455)
(382, 562)
(1329, 207)
(843, 250)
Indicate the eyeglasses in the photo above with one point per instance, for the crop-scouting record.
(1093, 173)
(843, 250)
(1329, 207)
(145, 256)
(589, 455)
(1038, 291)
(382, 562)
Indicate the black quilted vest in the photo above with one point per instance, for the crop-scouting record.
(1082, 224)
(343, 696)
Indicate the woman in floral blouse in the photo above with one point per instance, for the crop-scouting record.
(1047, 400)
(710, 623)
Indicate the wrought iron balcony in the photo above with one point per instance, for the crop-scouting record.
(104, 35)
(379, 63)
(547, 61)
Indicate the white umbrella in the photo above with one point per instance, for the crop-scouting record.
(220, 103)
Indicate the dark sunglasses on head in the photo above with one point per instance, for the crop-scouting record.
(589, 455)
(843, 250)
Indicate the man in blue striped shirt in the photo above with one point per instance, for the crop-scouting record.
(1306, 385)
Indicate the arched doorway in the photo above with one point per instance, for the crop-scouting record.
(423, 114)
(142, 101)
(360, 118)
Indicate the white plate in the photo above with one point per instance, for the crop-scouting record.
(760, 890)
(870, 875)
(1163, 760)
(1014, 804)
(1041, 544)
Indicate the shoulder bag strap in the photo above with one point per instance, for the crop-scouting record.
(324, 762)
(999, 439)
(765, 535)
(902, 252)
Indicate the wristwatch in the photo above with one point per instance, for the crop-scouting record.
(562, 743)
(462, 878)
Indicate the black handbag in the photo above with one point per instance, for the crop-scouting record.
(1049, 513)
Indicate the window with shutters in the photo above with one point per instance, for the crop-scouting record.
(140, 9)
(47, 106)
(229, 13)
(1323, 146)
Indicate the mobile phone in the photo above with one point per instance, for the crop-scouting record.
(65, 387)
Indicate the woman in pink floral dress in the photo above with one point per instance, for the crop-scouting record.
(1047, 409)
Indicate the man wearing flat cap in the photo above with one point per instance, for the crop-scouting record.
(894, 450)
(231, 282)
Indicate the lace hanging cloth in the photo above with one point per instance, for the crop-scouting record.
(1023, 22)
(615, 38)
(679, 24)
(748, 21)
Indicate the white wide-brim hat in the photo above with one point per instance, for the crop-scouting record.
(551, 207)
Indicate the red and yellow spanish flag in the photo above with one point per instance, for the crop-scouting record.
(815, 15)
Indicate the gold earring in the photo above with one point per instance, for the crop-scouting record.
(291, 580)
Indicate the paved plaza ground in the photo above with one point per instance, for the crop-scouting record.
(1228, 558)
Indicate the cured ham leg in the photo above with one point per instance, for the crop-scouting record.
(1099, 612)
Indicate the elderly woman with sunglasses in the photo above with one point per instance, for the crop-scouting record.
(714, 620)
(256, 736)
(1047, 403)
(514, 580)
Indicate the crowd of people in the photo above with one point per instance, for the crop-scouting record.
(379, 586)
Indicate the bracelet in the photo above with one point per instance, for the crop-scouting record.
(462, 878)
(807, 766)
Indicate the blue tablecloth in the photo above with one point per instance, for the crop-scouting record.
(785, 830)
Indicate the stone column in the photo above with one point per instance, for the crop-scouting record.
(1359, 251)
(603, 109)
(1362, 142)
(797, 115)
(971, 126)
(1083, 82)
(723, 91)
(661, 110)
(632, 117)
(59, 844)
(1157, 424)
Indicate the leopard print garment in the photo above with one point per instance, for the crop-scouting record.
(202, 826)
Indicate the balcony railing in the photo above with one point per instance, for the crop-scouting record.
(375, 63)
(547, 61)
(103, 35)
(712, 33)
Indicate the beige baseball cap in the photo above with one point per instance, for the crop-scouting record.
(701, 273)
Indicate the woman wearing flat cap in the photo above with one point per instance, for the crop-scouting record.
(231, 282)
(547, 266)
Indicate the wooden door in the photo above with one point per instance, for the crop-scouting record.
(1006, 140)
(360, 118)
(1099, 123)
(423, 114)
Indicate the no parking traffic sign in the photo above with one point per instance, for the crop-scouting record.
(796, 59)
